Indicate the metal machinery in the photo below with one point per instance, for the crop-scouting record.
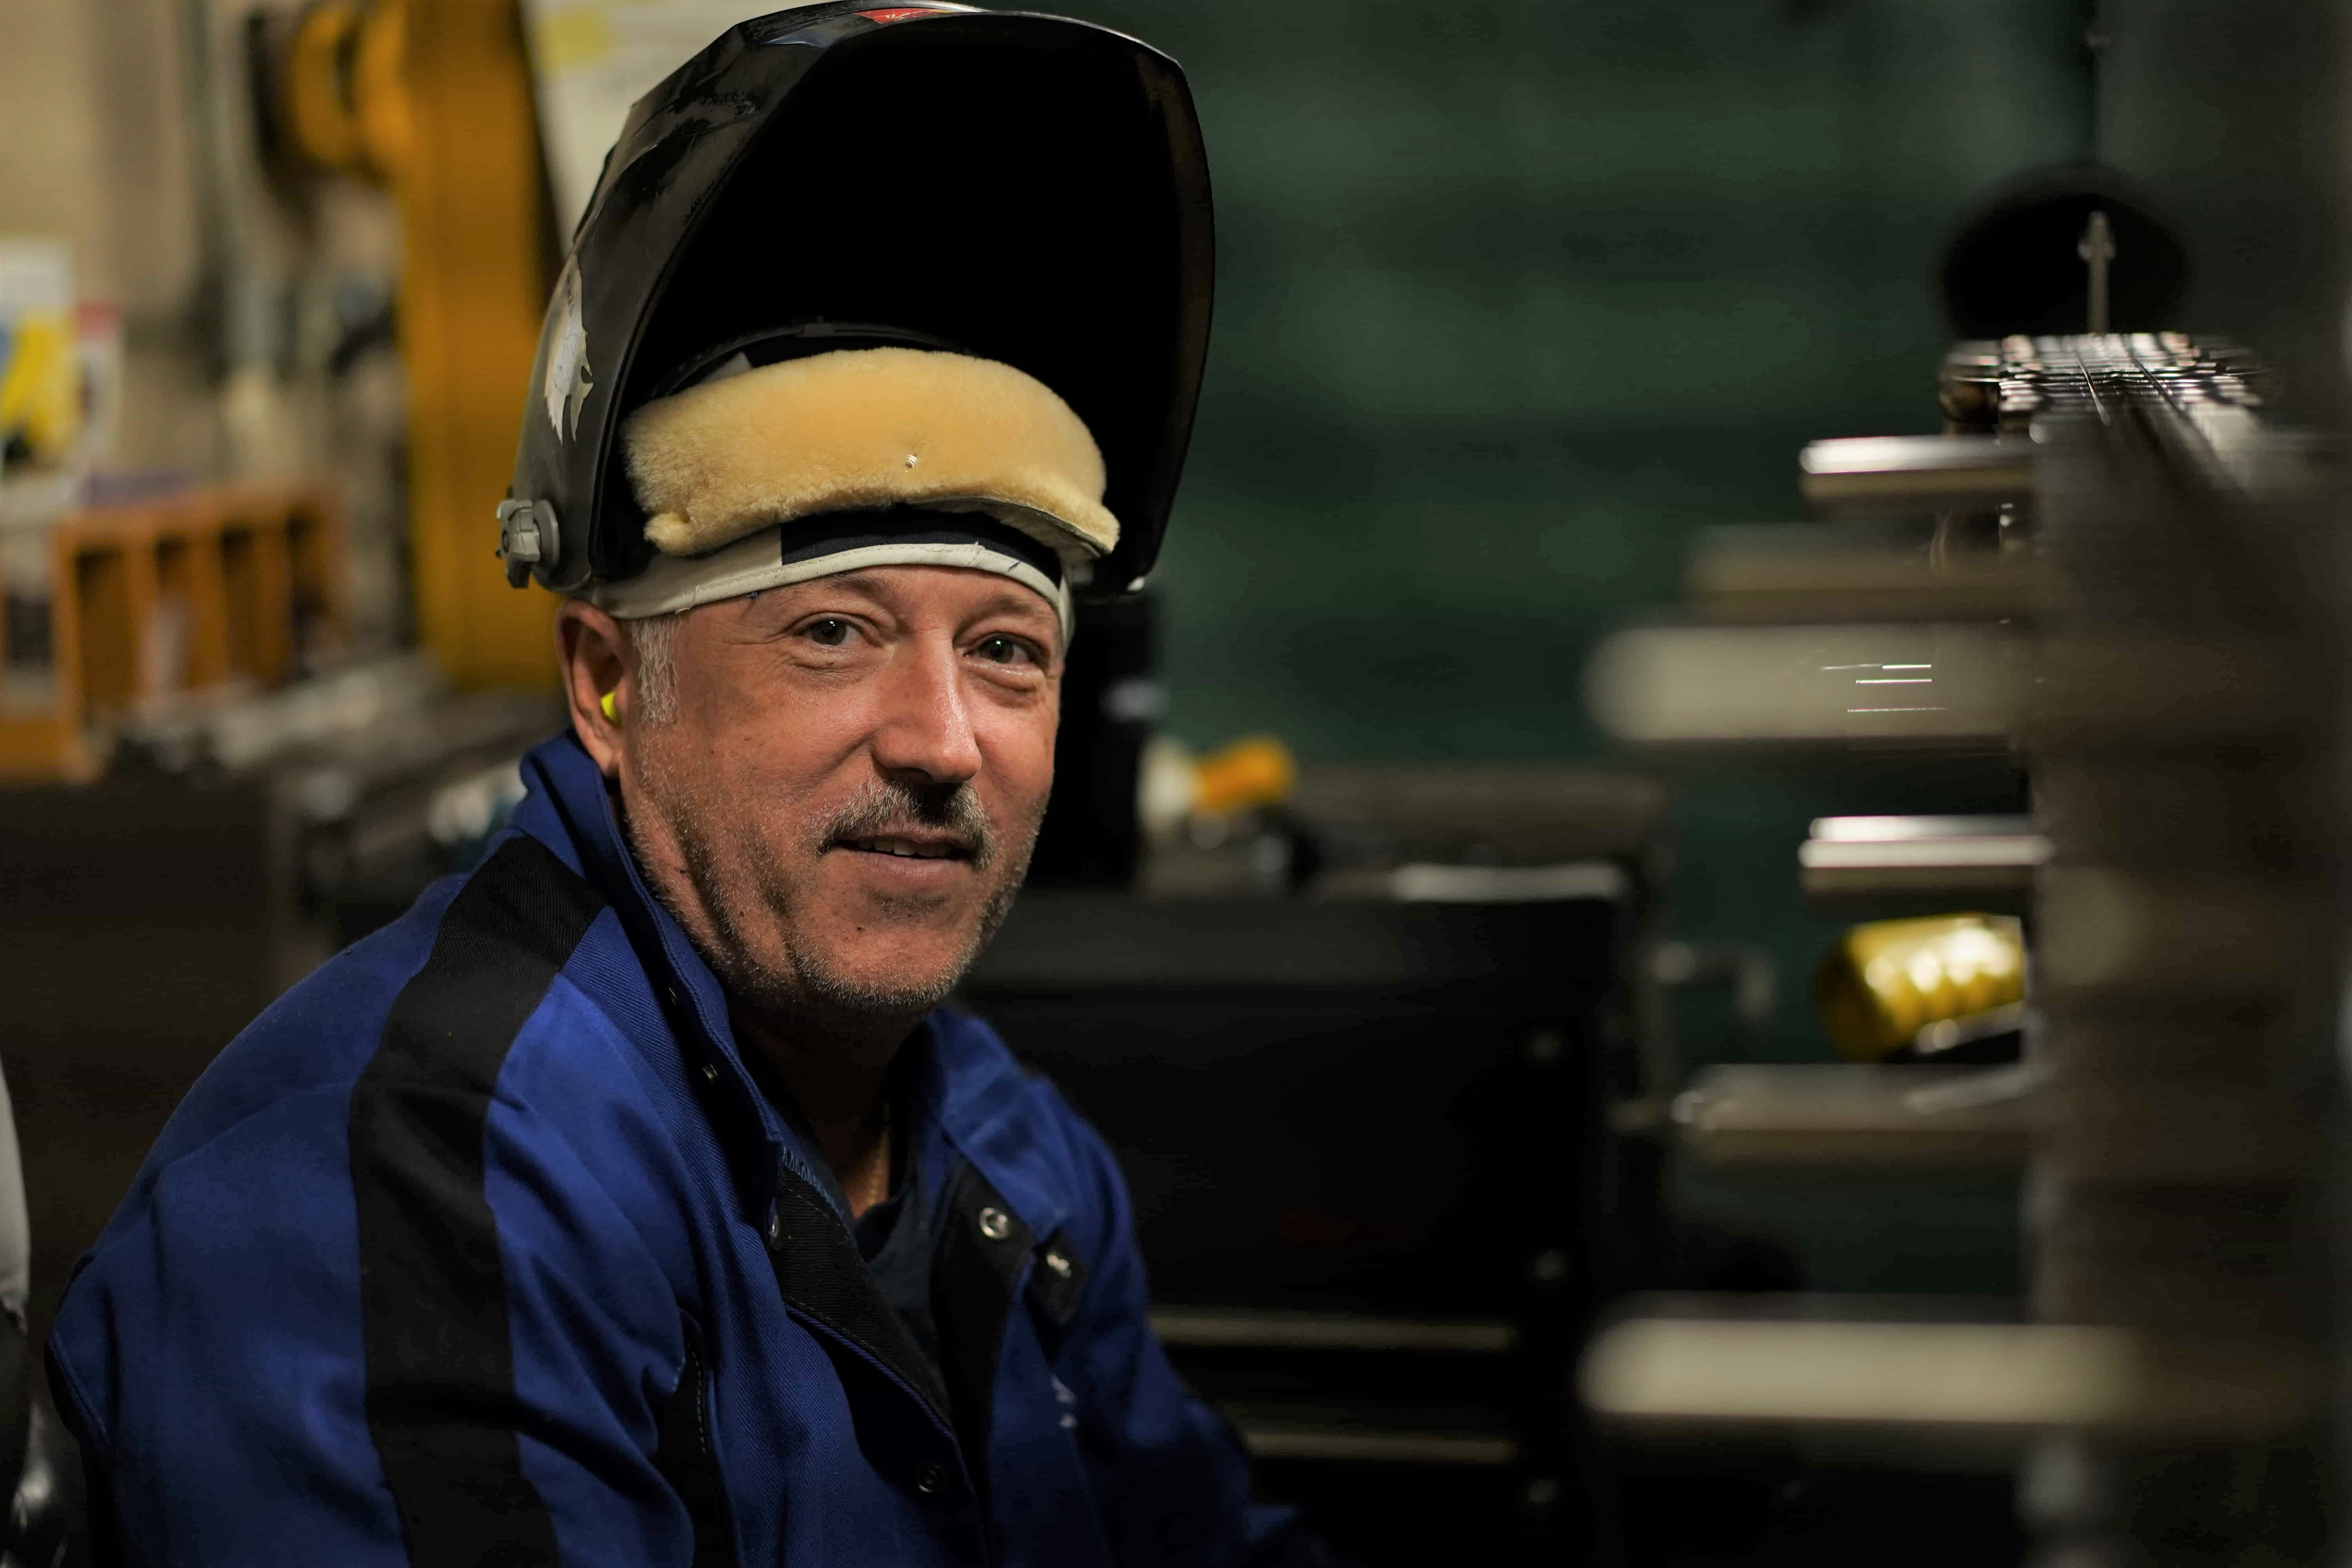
(433, 98)
(2115, 571)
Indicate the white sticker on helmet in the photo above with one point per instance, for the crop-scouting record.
(568, 379)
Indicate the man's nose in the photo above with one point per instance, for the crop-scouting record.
(924, 727)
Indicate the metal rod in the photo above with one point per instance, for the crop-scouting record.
(2097, 249)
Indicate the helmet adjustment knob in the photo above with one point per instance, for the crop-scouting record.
(529, 540)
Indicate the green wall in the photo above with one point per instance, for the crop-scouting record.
(1512, 298)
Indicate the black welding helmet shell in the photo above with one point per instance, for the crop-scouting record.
(1027, 188)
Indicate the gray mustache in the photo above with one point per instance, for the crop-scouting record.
(885, 807)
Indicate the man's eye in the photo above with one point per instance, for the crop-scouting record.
(1001, 650)
(830, 632)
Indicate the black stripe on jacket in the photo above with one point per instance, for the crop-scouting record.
(441, 1403)
(687, 1459)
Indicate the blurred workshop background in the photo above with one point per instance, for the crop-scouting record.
(1515, 302)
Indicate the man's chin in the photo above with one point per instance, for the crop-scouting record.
(841, 1003)
(888, 979)
(876, 958)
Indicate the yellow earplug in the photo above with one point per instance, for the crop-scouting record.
(607, 705)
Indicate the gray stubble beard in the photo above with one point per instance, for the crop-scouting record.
(814, 1000)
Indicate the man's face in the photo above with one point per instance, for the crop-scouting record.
(843, 802)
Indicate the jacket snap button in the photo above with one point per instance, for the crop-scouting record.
(928, 1478)
(1059, 1264)
(775, 1227)
(996, 1224)
(710, 1072)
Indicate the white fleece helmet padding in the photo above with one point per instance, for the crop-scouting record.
(746, 452)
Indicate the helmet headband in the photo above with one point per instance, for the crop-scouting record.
(827, 546)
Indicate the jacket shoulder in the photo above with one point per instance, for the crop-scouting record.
(483, 946)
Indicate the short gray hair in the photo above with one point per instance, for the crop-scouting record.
(652, 639)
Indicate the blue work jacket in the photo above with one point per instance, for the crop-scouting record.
(481, 1246)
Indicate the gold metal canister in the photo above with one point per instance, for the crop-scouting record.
(1887, 980)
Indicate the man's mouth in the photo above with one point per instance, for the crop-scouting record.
(910, 846)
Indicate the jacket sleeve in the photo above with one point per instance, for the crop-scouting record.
(262, 1370)
(1173, 1479)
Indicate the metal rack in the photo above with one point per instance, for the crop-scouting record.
(2114, 569)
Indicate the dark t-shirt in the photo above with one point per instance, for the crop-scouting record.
(896, 1238)
(898, 1235)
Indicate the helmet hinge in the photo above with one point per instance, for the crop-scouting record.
(529, 541)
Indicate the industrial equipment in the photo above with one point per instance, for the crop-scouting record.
(434, 98)
(2120, 575)
(1921, 988)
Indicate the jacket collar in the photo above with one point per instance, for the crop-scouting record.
(568, 806)
(987, 1105)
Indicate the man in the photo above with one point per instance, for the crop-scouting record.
(630, 1201)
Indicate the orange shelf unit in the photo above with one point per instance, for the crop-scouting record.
(119, 611)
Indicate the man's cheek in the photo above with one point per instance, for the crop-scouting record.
(1029, 778)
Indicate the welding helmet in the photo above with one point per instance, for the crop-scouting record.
(1024, 191)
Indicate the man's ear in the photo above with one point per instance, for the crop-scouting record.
(591, 650)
